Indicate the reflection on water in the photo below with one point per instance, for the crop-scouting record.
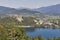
(46, 33)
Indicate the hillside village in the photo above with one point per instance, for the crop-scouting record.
(33, 21)
(41, 22)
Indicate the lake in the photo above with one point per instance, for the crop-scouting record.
(46, 33)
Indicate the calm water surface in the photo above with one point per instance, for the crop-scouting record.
(46, 33)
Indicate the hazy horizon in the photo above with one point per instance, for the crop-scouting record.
(28, 3)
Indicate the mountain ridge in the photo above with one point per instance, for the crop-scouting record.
(50, 10)
(54, 9)
(7, 10)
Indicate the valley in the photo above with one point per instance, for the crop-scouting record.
(30, 24)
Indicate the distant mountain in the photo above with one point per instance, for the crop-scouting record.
(54, 9)
(27, 11)
(7, 10)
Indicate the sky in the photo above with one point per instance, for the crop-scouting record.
(28, 3)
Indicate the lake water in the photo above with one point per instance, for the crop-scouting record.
(46, 33)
